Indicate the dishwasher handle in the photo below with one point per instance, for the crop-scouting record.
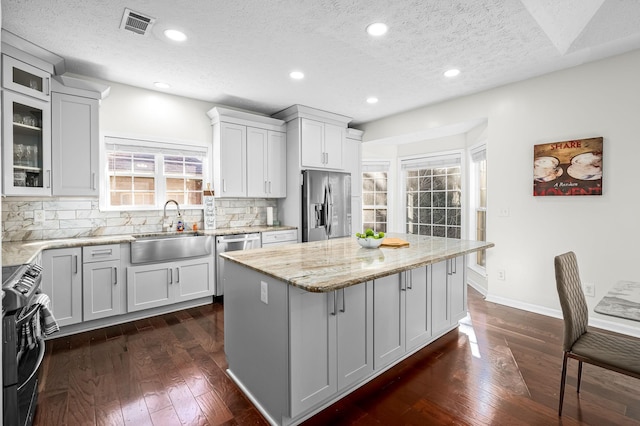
(238, 240)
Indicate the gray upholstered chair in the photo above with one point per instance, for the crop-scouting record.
(613, 352)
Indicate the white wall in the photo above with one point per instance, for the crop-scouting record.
(597, 99)
(138, 112)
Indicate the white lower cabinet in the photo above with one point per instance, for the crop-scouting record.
(331, 343)
(160, 284)
(418, 309)
(412, 307)
(103, 284)
(457, 288)
(313, 349)
(295, 352)
(194, 279)
(62, 282)
(101, 295)
(388, 319)
(449, 294)
(355, 333)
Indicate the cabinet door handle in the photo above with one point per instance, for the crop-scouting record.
(269, 187)
(335, 303)
(344, 302)
(403, 282)
(47, 86)
(178, 275)
(170, 275)
(93, 181)
(76, 259)
(48, 178)
(115, 271)
(454, 262)
(409, 280)
(102, 252)
(224, 185)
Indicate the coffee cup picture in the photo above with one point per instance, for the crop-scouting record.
(572, 167)
(546, 169)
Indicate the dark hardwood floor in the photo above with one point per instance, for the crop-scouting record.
(500, 367)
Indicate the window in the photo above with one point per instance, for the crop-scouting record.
(143, 175)
(479, 197)
(432, 187)
(374, 195)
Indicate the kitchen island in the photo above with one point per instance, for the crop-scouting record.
(306, 324)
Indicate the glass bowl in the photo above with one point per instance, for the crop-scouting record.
(370, 242)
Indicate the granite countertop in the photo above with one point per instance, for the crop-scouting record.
(324, 266)
(19, 252)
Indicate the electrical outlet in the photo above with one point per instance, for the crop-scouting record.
(589, 289)
(38, 216)
(504, 212)
(264, 292)
(502, 274)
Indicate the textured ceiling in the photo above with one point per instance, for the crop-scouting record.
(239, 53)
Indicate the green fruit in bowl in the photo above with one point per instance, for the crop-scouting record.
(369, 232)
(381, 234)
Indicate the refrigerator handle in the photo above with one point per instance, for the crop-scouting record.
(330, 210)
(325, 210)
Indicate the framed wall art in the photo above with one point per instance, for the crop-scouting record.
(568, 168)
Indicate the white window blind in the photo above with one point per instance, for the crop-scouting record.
(479, 153)
(375, 166)
(446, 160)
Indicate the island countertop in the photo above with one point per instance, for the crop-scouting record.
(325, 266)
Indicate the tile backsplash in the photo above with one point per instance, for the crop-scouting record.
(81, 217)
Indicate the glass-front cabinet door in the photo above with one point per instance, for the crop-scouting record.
(24, 78)
(26, 145)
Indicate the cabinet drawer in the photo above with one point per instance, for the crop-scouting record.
(288, 236)
(100, 253)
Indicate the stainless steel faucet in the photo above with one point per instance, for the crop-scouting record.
(165, 225)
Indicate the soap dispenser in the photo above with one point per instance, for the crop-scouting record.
(180, 225)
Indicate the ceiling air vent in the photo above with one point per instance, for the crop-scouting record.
(136, 22)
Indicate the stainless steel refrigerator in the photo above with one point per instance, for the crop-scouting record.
(326, 205)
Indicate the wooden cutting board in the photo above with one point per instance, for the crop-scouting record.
(394, 243)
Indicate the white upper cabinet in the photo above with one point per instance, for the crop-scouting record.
(277, 164)
(249, 155)
(26, 79)
(230, 157)
(321, 144)
(50, 126)
(74, 130)
(266, 155)
(26, 145)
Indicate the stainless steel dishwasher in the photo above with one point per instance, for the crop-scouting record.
(225, 243)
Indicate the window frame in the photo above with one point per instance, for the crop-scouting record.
(474, 201)
(159, 149)
(458, 154)
(373, 166)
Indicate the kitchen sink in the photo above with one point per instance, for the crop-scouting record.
(166, 247)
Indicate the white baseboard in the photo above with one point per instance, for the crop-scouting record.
(480, 289)
(556, 313)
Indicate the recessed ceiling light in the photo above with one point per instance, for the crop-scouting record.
(175, 35)
(377, 29)
(451, 73)
(372, 100)
(161, 85)
(296, 75)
